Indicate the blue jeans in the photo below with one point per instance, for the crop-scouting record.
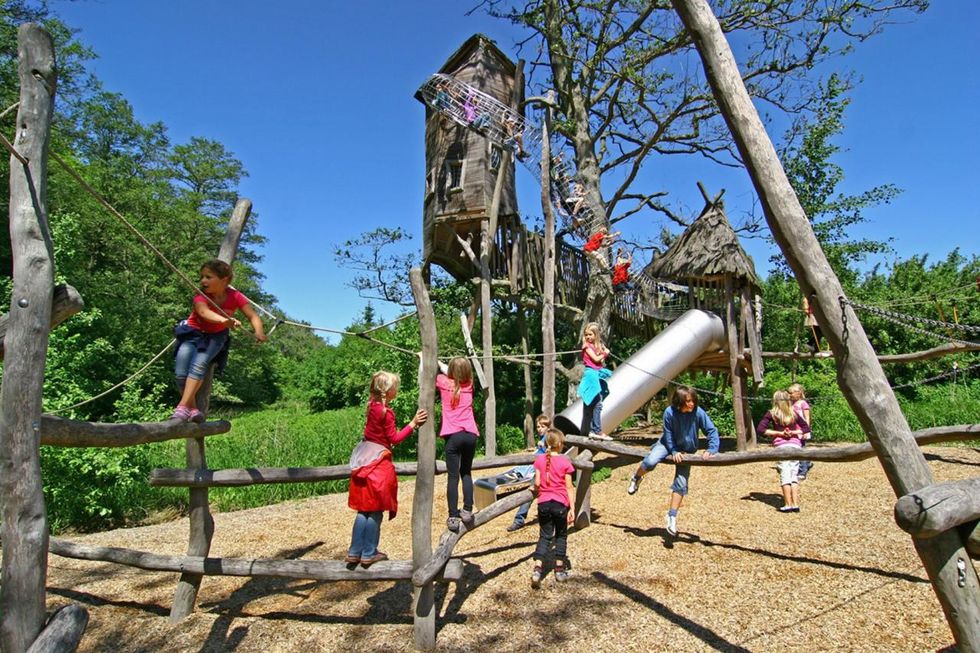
(592, 416)
(521, 515)
(681, 472)
(193, 363)
(366, 534)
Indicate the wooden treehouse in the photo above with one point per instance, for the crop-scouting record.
(709, 270)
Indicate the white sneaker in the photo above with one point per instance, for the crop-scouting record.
(634, 485)
(672, 524)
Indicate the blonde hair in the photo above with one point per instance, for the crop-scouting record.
(461, 372)
(594, 328)
(796, 387)
(381, 384)
(782, 409)
(542, 420)
(554, 442)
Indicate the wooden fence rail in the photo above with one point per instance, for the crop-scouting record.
(325, 570)
(61, 432)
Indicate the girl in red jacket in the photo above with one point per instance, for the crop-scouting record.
(373, 484)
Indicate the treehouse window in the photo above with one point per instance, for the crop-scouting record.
(454, 175)
(430, 183)
(495, 155)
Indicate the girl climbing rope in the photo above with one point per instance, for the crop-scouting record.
(373, 483)
(203, 337)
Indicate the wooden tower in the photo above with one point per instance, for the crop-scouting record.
(462, 166)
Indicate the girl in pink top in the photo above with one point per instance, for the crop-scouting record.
(459, 429)
(787, 429)
(556, 495)
(802, 408)
(204, 334)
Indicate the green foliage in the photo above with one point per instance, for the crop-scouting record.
(94, 489)
(510, 439)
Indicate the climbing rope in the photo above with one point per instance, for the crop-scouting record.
(118, 385)
(896, 316)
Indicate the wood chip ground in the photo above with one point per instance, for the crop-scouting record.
(839, 576)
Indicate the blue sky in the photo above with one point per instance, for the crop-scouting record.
(315, 98)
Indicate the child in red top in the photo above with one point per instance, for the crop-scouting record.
(373, 484)
(204, 334)
(621, 270)
(601, 238)
(556, 495)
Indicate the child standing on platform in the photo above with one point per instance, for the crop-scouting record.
(593, 388)
(802, 408)
(786, 429)
(373, 484)
(556, 496)
(543, 423)
(682, 421)
(455, 385)
(203, 336)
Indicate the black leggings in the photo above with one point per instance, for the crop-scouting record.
(460, 449)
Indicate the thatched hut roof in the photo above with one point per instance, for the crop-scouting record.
(707, 250)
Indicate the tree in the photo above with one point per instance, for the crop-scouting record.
(383, 274)
(628, 92)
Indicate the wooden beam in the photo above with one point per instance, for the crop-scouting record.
(947, 349)
(65, 303)
(170, 477)
(938, 508)
(23, 518)
(583, 492)
(550, 265)
(837, 454)
(236, 226)
(61, 432)
(324, 570)
(63, 631)
(859, 373)
(423, 594)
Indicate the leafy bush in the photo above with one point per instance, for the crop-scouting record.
(510, 439)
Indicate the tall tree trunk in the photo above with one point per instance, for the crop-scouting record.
(24, 530)
(858, 372)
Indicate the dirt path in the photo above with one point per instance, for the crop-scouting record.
(839, 576)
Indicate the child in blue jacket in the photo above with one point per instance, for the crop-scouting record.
(682, 421)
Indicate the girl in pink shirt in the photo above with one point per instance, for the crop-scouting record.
(556, 495)
(459, 429)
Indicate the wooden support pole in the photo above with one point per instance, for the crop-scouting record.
(63, 631)
(550, 265)
(423, 596)
(23, 518)
(583, 491)
(734, 371)
(859, 374)
(199, 511)
(530, 434)
(65, 303)
(324, 570)
(937, 508)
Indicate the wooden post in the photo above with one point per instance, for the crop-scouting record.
(548, 292)
(734, 369)
(24, 527)
(529, 431)
(423, 599)
(201, 525)
(63, 632)
(65, 303)
(859, 373)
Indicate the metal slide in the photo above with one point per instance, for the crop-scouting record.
(648, 371)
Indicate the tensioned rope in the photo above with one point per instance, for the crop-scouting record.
(118, 385)
(896, 316)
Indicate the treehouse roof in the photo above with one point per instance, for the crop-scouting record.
(464, 54)
(708, 249)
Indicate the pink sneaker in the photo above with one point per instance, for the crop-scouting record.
(197, 416)
(183, 413)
